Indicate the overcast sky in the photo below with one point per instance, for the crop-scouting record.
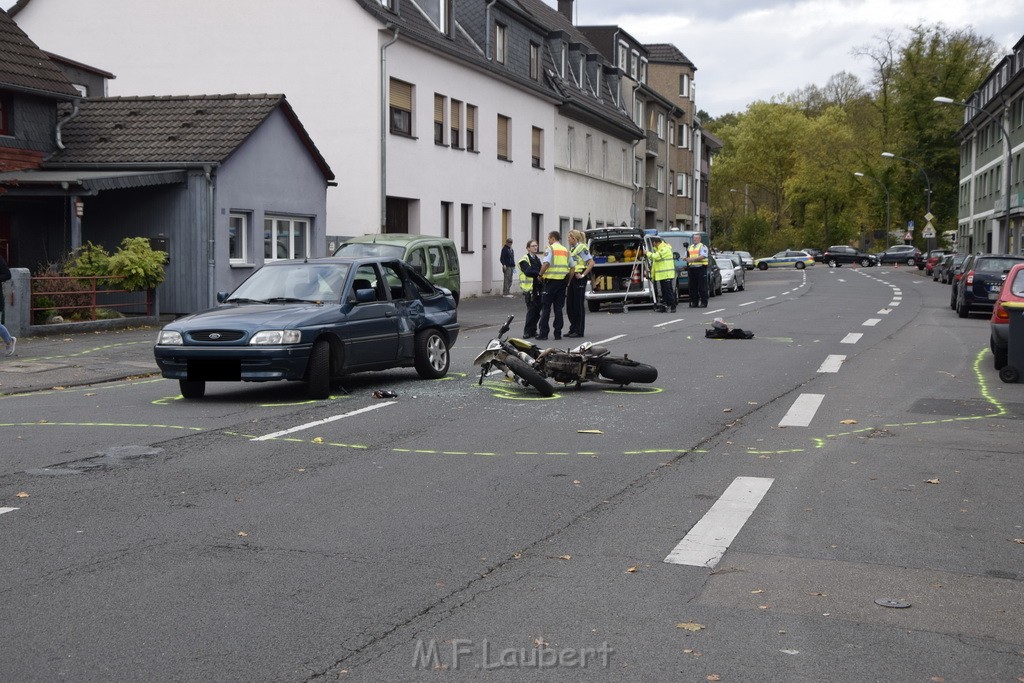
(748, 50)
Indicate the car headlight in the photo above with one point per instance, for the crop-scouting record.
(169, 338)
(275, 337)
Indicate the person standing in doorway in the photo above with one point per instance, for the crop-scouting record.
(554, 271)
(508, 268)
(582, 264)
(8, 341)
(663, 272)
(531, 286)
(697, 272)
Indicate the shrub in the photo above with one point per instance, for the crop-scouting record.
(141, 266)
(89, 260)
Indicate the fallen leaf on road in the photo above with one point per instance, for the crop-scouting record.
(931, 481)
(22, 494)
(565, 557)
(713, 677)
(1016, 540)
(540, 642)
(726, 410)
(819, 595)
(318, 439)
(58, 388)
(242, 533)
(759, 590)
(764, 606)
(632, 570)
(690, 626)
(847, 422)
(91, 393)
(577, 482)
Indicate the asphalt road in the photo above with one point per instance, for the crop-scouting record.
(463, 531)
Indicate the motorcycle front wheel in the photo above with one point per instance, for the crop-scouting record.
(625, 371)
(530, 376)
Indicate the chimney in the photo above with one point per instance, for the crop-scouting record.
(565, 8)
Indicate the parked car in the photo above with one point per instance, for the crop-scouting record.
(950, 265)
(1012, 290)
(955, 280)
(435, 258)
(839, 254)
(981, 281)
(786, 259)
(816, 253)
(900, 253)
(748, 260)
(315, 321)
(931, 259)
(732, 272)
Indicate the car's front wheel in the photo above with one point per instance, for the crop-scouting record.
(910, 262)
(800, 265)
(192, 388)
(831, 263)
(864, 263)
(318, 371)
(432, 356)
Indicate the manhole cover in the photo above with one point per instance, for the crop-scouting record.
(888, 602)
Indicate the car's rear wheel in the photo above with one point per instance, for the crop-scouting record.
(800, 265)
(530, 376)
(318, 371)
(963, 309)
(192, 388)
(762, 266)
(625, 371)
(432, 357)
(831, 263)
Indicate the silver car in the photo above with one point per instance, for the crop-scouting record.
(733, 272)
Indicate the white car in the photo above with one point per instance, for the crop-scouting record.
(733, 273)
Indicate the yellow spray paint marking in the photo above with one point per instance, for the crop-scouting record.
(509, 390)
(44, 423)
(88, 351)
(82, 389)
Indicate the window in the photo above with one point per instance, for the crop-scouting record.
(536, 226)
(535, 61)
(562, 57)
(623, 62)
(500, 45)
(684, 85)
(401, 107)
(661, 179)
(643, 69)
(537, 144)
(681, 185)
(661, 126)
(471, 127)
(446, 219)
(6, 128)
(438, 119)
(285, 238)
(604, 158)
(238, 238)
(638, 172)
(456, 123)
(581, 74)
(634, 65)
(503, 152)
(440, 12)
(464, 225)
(587, 152)
(684, 135)
(638, 112)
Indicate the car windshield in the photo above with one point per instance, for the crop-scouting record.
(995, 265)
(678, 243)
(293, 283)
(370, 249)
(724, 263)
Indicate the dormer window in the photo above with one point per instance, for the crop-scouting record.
(582, 73)
(500, 42)
(535, 61)
(562, 60)
(643, 69)
(634, 65)
(439, 12)
(623, 62)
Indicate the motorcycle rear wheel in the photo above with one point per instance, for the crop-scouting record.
(625, 371)
(531, 376)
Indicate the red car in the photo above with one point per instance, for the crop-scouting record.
(932, 258)
(1012, 290)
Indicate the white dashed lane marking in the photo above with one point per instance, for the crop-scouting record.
(3, 510)
(709, 538)
(832, 364)
(871, 322)
(310, 425)
(851, 338)
(802, 411)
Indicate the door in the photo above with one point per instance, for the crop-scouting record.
(370, 331)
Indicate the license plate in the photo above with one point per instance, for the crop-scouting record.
(993, 295)
(229, 370)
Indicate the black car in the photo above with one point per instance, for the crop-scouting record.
(982, 278)
(839, 254)
(314, 321)
(901, 253)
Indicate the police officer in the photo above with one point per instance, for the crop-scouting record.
(697, 272)
(554, 271)
(530, 285)
(663, 272)
(582, 264)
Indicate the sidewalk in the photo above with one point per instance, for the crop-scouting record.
(45, 362)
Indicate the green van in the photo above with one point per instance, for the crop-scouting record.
(435, 258)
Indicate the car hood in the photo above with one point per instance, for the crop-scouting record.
(253, 316)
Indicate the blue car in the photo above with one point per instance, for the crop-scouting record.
(314, 321)
(785, 259)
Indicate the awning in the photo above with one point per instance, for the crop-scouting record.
(50, 183)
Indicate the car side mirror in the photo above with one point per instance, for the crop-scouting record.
(365, 296)
(222, 296)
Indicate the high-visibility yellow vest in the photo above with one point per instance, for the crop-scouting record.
(663, 263)
(694, 252)
(579, 265)
(558, 269)
(525, 281)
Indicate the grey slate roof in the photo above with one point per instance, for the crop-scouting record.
(667, 53)
(169, 130)
(23, 66)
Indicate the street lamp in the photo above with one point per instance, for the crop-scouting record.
(927, 182)
(746, 198)
(882, 185)
(1005, 246)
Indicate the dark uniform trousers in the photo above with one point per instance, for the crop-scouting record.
(532, 311)
(553, 299)
(575, 307)
(698, 281)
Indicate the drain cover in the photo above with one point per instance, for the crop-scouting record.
(897, 604)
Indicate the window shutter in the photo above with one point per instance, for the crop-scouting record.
(536, 143)
(456, 118)
(401, 95)
(438, 109)
(470, 118)
(502, 136)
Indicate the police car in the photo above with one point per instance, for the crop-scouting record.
(785, 259)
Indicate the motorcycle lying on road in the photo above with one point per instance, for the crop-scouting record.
(530, 365)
